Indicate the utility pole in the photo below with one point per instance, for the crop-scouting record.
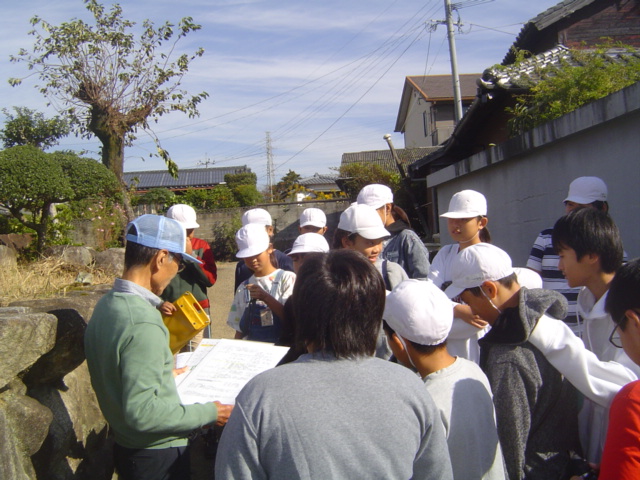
(269, 166)
(206, 161)
(457, 98)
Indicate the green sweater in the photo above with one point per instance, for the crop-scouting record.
(131, 367)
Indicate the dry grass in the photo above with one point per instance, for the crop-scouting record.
(45, 278)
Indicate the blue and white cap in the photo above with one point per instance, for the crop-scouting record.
(156, 231)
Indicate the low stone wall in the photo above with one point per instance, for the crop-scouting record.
(50, 424)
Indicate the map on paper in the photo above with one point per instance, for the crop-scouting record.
(220, 368)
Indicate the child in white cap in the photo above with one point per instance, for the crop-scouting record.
(467, 225)
(305, 244)
(536, 407)
(313, 220)
(583, 192)
(361, 229)
(259, 216)
(403, 246)
(418, 317)
(194, 278)
(258, 306)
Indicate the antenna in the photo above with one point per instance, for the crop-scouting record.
(206, 162)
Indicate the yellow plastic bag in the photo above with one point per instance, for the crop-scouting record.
(186, 321)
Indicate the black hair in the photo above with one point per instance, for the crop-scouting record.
(399, 214)
(484, 235)
(338, 301)
(506, 282)
(600, 205)
(338, 235)
(136, 255)
(623, 292)
(589, 231)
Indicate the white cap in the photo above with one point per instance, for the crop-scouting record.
(252, 240)
(586, 190)
(156, 231)
(363, 220)
(314, 217)
(184, 214)
(375, 195)
(528, 278)
(467, 204)
(419, 311)
(258, 216)
(308, 243)
(477, 264)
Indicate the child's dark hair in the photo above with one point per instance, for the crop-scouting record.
(136, 255)
(590, 231)
(623, 292)
(399, 214)
(506, 282)
(338, 235)
(485, 236)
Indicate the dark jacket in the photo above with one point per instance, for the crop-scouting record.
(405, 248)
(536, 408)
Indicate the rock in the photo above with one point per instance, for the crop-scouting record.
(17, 241)
(24, 424)
(111, 260)
(81, 256)
(8, 257)
(77, 445)
(84, 278)
(67, 353)
(24, 338)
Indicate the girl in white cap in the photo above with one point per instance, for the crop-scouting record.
(361, 229)
(258, 306)
(403, 246)
(467, 225)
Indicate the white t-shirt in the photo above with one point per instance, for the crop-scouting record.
(242, 298)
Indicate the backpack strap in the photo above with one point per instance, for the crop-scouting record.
(385, 275)
(276, 282)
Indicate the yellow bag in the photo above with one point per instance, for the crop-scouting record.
(188, 320)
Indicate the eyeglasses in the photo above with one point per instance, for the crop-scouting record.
(179, 261)
(614, 338)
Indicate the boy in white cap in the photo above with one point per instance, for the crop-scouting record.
(418, 318)
(583, 192)
(536, 408)
(313, 220)
(403, 246)
(259, 216)
(305, 244)
(195, 278)
(131, 365)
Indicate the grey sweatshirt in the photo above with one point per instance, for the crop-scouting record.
(536, 408)
(320, 417)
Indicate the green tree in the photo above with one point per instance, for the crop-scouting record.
(218, 197)
(29, 127)
(243, 186)
(157, 196)
(32, 181)
(287, 186)
(582, 77)
(234, 180)
(111, 81)
(354, 176)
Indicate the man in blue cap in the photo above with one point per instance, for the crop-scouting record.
(131, 365)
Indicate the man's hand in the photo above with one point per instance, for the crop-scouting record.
(179, 371)
(223, 413)
(167, 308)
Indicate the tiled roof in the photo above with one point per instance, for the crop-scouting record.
(384, 158)
(187, 178)
(527, 73)
(317, 179)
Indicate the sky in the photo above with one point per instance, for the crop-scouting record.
(323, 78)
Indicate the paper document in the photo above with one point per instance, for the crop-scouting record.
(218, 372)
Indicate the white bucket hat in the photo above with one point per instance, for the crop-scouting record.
(467, 204)
(308, 243)
(419, 311)
(258, 216)
(314, 217)
(375, 195)
(586, 190)
(363, 220)
(184, 214)
(477, 264)
(252, 239)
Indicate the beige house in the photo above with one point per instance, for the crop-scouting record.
(426, 116)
